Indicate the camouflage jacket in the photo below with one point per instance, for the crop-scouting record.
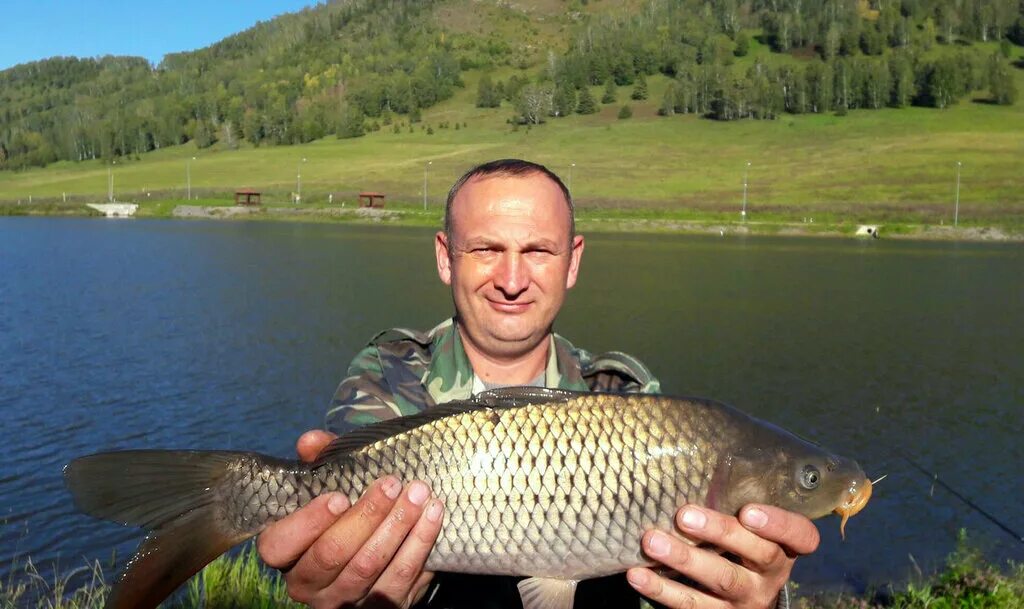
(402, 372)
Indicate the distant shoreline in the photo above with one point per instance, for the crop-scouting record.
(641, 221)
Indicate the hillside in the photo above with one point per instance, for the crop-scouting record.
(344, 67)
(870, 165)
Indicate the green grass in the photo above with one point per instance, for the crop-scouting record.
(968, 582)
(870, 166)
(230, 582)
(27, 588)
(241, 582)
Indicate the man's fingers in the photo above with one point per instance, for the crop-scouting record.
(792, 531)
(283, 542)
(725, 533)
(718, 575)
(670, 593)
(365, 567)
(333, 550)
(403, 576)
(312, 442)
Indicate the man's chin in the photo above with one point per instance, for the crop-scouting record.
(515, 339)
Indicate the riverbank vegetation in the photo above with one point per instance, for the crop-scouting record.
(241, 582)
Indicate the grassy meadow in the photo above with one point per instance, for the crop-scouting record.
(884, 166)
(239, 581)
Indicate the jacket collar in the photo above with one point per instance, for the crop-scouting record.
(449, 376)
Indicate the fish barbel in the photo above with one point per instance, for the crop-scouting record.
(553, 485)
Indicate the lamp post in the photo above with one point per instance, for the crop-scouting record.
(570, 176)
(298, 181)
(746, 170)
(956, 204)
(425, 168)
(110, 181)
(188, 178)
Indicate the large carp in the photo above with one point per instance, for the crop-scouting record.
(553, 485)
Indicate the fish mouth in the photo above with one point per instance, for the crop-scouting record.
(857, 497)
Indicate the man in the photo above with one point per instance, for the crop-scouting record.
(510, 253)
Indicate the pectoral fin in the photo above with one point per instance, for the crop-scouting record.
(541, 593)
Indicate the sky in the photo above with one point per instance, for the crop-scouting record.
(37, 29)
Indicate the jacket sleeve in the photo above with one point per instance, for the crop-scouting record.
(363, 396)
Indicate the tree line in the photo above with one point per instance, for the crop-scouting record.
(338, 67)
(293, 79)
(826, 57)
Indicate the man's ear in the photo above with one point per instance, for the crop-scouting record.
(574, 261)
(444, 261)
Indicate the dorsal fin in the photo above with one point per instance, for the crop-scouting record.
(513, 397)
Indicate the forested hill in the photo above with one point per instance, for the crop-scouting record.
(345, 66)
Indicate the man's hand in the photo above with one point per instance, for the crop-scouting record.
(766, 540)
(370, 553)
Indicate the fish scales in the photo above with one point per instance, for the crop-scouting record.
(558, 486)
(562, 490)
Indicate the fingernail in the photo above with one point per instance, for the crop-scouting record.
(658, 544)
(418, 493)
(637, 577)
(754, 518)
(434, 511)
(337, 504)
(392, 488)
(694, 519)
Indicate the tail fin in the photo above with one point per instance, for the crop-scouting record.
(173, 494)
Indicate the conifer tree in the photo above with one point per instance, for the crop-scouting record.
(587, 105)
(563, 102)
(639, 89)
(609, 92)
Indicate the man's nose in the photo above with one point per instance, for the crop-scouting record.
(512, 276)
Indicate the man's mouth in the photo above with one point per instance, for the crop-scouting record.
(509, 307)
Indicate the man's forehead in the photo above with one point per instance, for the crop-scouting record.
(501, 194)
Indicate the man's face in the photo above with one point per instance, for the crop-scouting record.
(510, 261)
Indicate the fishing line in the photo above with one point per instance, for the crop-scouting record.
(936, 480)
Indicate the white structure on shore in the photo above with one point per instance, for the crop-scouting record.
(867, 230)
(116, 210)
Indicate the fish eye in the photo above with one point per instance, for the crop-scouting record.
(810, 477)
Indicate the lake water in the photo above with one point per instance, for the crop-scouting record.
(171, 334)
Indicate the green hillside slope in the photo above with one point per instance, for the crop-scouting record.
(871, 164)
(866, 110)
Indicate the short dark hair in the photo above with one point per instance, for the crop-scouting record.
(507, 167)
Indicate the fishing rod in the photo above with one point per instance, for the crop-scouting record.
(936, 480)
